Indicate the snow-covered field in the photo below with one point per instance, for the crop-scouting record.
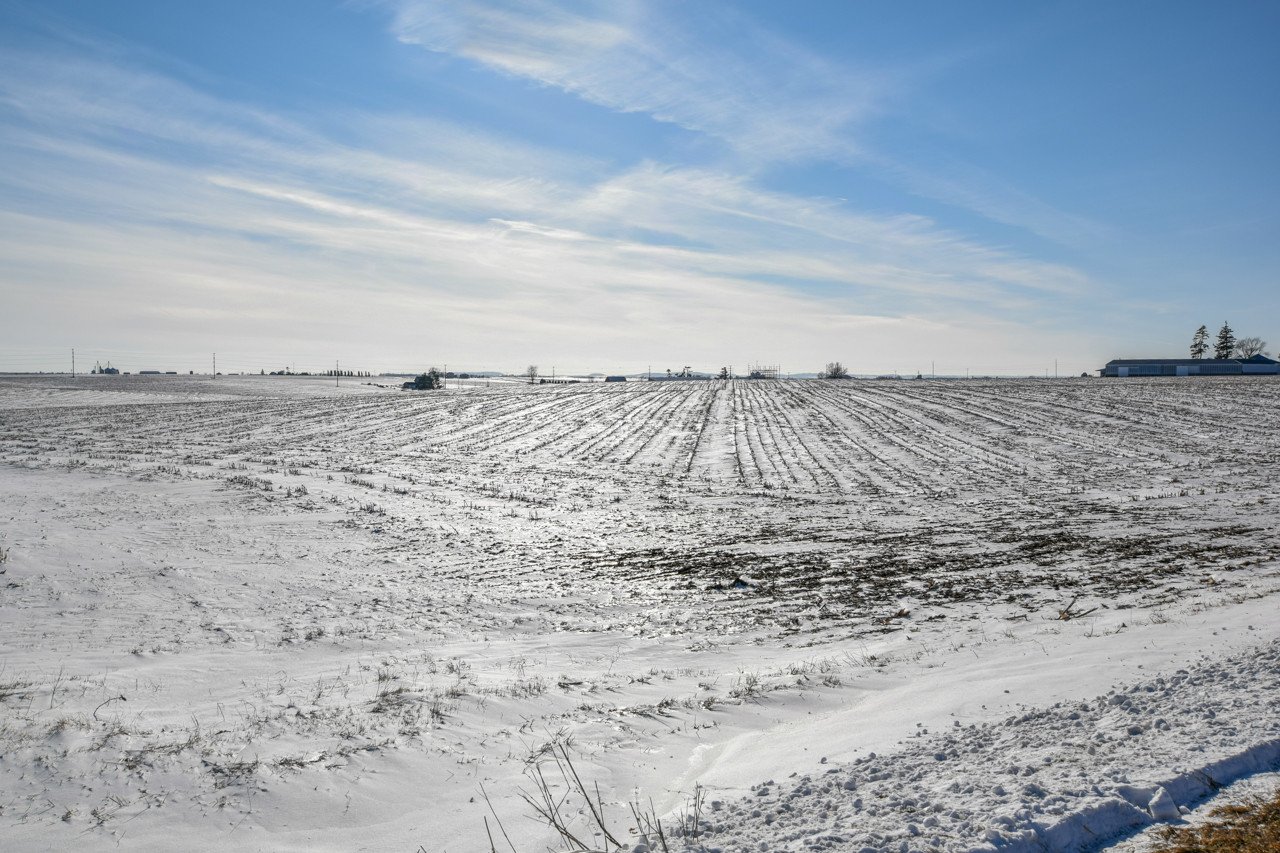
(265, 613)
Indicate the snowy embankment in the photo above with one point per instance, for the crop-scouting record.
(1067, 777)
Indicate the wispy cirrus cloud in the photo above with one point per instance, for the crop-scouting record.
(764, 98)
(135, 196)
(968, 187)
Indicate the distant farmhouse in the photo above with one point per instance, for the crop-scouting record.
(1254, 365)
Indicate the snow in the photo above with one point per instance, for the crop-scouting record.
(1262, 785)
(1052, 777)
(271, 613)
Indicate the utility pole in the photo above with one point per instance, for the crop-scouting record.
(73, 362)
(1055, 368)
(335, 373)
(215, 365)
(933, 369)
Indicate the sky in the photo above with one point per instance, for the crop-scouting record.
(995, 187)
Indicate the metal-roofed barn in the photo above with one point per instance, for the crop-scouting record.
(1254, 365)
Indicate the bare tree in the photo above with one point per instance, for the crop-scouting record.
(1249, 347)
(834, 370)
(532, 372)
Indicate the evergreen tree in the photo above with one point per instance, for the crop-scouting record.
(1226, 342)
(1199, 342)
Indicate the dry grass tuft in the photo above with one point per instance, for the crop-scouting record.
(1252, 826)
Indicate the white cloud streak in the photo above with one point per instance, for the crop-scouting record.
(151, 209)
(775, 102)
(766, 101)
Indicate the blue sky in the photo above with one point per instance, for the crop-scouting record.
(604, 186)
